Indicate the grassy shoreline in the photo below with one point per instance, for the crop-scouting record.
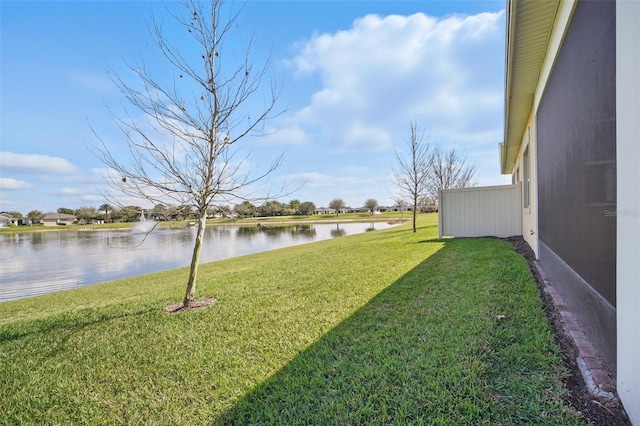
(386, 327)
(253, 221)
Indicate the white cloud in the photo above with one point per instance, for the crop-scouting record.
(286, 135)
(10, 183)
(94, 81)
(310, 179)
(383, 72)
(34, 163)
(69, 191)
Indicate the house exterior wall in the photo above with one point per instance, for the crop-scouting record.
(628, 208)
(529, 212)
(480, 211)
(54, 219)
(576, 138)
(608, 42)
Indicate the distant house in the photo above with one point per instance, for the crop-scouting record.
(396, 208)
(324, 210)
(54, 219)
(6, 219)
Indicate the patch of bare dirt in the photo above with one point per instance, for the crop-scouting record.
(595, 410)
(193, 306)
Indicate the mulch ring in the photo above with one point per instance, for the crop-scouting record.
(193, 306)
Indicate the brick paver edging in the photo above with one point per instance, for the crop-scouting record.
(595, 373)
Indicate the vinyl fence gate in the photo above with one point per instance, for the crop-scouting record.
(483, 211)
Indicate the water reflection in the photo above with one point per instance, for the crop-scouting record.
(337, 232)
(37, 241)
(275, 232)
(38, 263)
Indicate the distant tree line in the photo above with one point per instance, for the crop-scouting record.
(169, 212)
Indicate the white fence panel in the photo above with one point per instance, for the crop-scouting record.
(483, 211)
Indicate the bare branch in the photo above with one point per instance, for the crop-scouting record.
(185, 148)
(411, 175)
(450, 169)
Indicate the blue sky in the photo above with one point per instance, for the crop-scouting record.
(352, 75)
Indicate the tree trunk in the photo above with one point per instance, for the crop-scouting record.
(190, 294)
(415, 211)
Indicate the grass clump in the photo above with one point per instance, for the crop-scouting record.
(387, 327)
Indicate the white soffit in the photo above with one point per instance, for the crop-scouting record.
(529, 27)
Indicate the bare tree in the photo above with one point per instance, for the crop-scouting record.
(371, 204)
(307, 208)
(400, 204)
(449, 169)
(411, 175)
(337, 204)
(186, 150)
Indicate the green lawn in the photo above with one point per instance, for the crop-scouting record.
(386, 327)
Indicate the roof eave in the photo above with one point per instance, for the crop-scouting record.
(529, 25)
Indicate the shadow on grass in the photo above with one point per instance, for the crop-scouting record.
(425, 350)
(62, 327)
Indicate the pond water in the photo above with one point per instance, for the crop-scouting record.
(44, 262)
